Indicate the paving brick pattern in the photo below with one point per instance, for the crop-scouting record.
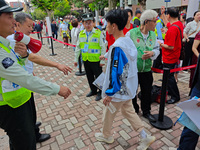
(73, 122)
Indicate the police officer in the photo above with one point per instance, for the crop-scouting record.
(160, 33)
(24, 24)
(16, 86)
(91, 44)
(136, 19)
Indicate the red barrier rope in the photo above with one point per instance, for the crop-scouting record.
(46, 37)
(60, 41)
(174, 70)
(63, 42)
(34, 32)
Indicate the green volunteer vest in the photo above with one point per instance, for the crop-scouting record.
(70, 26)
(15, 97)
(135, 18)
(137, 38)
(163, 34)
(94, 49)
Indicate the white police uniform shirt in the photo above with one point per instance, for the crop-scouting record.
(13, 72)
(29, 64)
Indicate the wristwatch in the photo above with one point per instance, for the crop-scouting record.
(25, 56)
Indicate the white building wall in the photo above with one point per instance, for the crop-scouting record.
(156, 4)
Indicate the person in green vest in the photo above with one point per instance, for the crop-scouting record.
(16, 86)
(70, 27)
(147, 46)
(90, 43)
(136, 19)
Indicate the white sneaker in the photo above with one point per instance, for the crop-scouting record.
(172, 148)
(146, 142)
(64, 46)
(68, 47)
(100, 138)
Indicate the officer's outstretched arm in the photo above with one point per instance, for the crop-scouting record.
(45, 62)
(12, 71)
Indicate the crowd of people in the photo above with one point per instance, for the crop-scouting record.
(127, 50)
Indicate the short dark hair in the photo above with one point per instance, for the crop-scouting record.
(117, 16)
(195, 13)
(74, 23)
(138, 12)
(184, 16)
(129, 10)
(173, 12)
(189, 19)
(21, 17)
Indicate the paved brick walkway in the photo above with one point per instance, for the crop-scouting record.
(72, 123)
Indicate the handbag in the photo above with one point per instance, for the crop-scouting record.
(155, 94)
(64, 35)
(182, 55)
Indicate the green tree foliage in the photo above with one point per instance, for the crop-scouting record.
(98, 4)
(62, 9)
(112, 4)
(48, 5)
(77, 3)
(38, 14)
(75, 13)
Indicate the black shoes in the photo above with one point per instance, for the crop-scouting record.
(90, 94)
(38, 124)
(98, 98)
(150, 117)
(43, 137)
(171, 101)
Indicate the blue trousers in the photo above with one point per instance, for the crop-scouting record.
(189, 138)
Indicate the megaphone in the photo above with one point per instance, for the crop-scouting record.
(33, 44)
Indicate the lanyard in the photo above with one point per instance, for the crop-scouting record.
(15, 54)
(88, 33)
(17, 58)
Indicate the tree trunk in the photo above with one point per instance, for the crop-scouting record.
(49, 14)
(112, 4)
(142, 3)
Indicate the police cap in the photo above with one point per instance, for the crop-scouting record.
(87, 16)
(4, 8)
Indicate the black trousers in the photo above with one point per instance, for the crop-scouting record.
(19, 125)
(34, 114)
(39, 35)
(93, 70)
(157, 63)
(145, 80)
(172, 85)
(188, 52)
(55, 35)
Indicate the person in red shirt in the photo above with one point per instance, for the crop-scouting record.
(110, 39)
(171, 50)
(129, 25)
